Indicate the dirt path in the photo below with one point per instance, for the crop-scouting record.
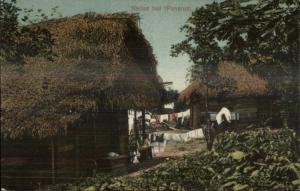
(173, 150)
(176, 149)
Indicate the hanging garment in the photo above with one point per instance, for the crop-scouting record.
(224, 111)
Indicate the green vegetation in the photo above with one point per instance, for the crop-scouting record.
(251, 32)
(168, 96)
(257, 160)
(17, 40)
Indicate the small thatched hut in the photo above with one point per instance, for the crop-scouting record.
(59, 119)
(247, 96)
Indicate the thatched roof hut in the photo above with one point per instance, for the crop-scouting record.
(103, 62)
(234, 87)
(245, 84)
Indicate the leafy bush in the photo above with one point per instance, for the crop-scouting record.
(252, 160)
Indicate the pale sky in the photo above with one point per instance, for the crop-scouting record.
(160, 22)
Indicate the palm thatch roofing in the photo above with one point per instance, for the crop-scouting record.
(103, 62)
(245, 84)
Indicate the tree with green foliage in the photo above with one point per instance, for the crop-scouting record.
(18, 41)
(168, 96)
(262, 35)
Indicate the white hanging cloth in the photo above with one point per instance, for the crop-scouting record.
(223, 111)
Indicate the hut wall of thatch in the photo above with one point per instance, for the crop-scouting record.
(251, 110)
(28, 163)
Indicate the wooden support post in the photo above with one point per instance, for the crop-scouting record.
(53, 161)
(191, 123)
(123, 133)
(136, 130)
(143, 124)
(76, 155)
(271, 107)
(95, 136)
(117, 134)
(271, 112)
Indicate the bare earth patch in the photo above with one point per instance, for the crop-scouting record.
(176, 149)
(173, 150)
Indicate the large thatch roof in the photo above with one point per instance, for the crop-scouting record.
(245, 84)
(103, 62)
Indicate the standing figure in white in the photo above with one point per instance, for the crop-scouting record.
(223, 118)
(215, 128)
